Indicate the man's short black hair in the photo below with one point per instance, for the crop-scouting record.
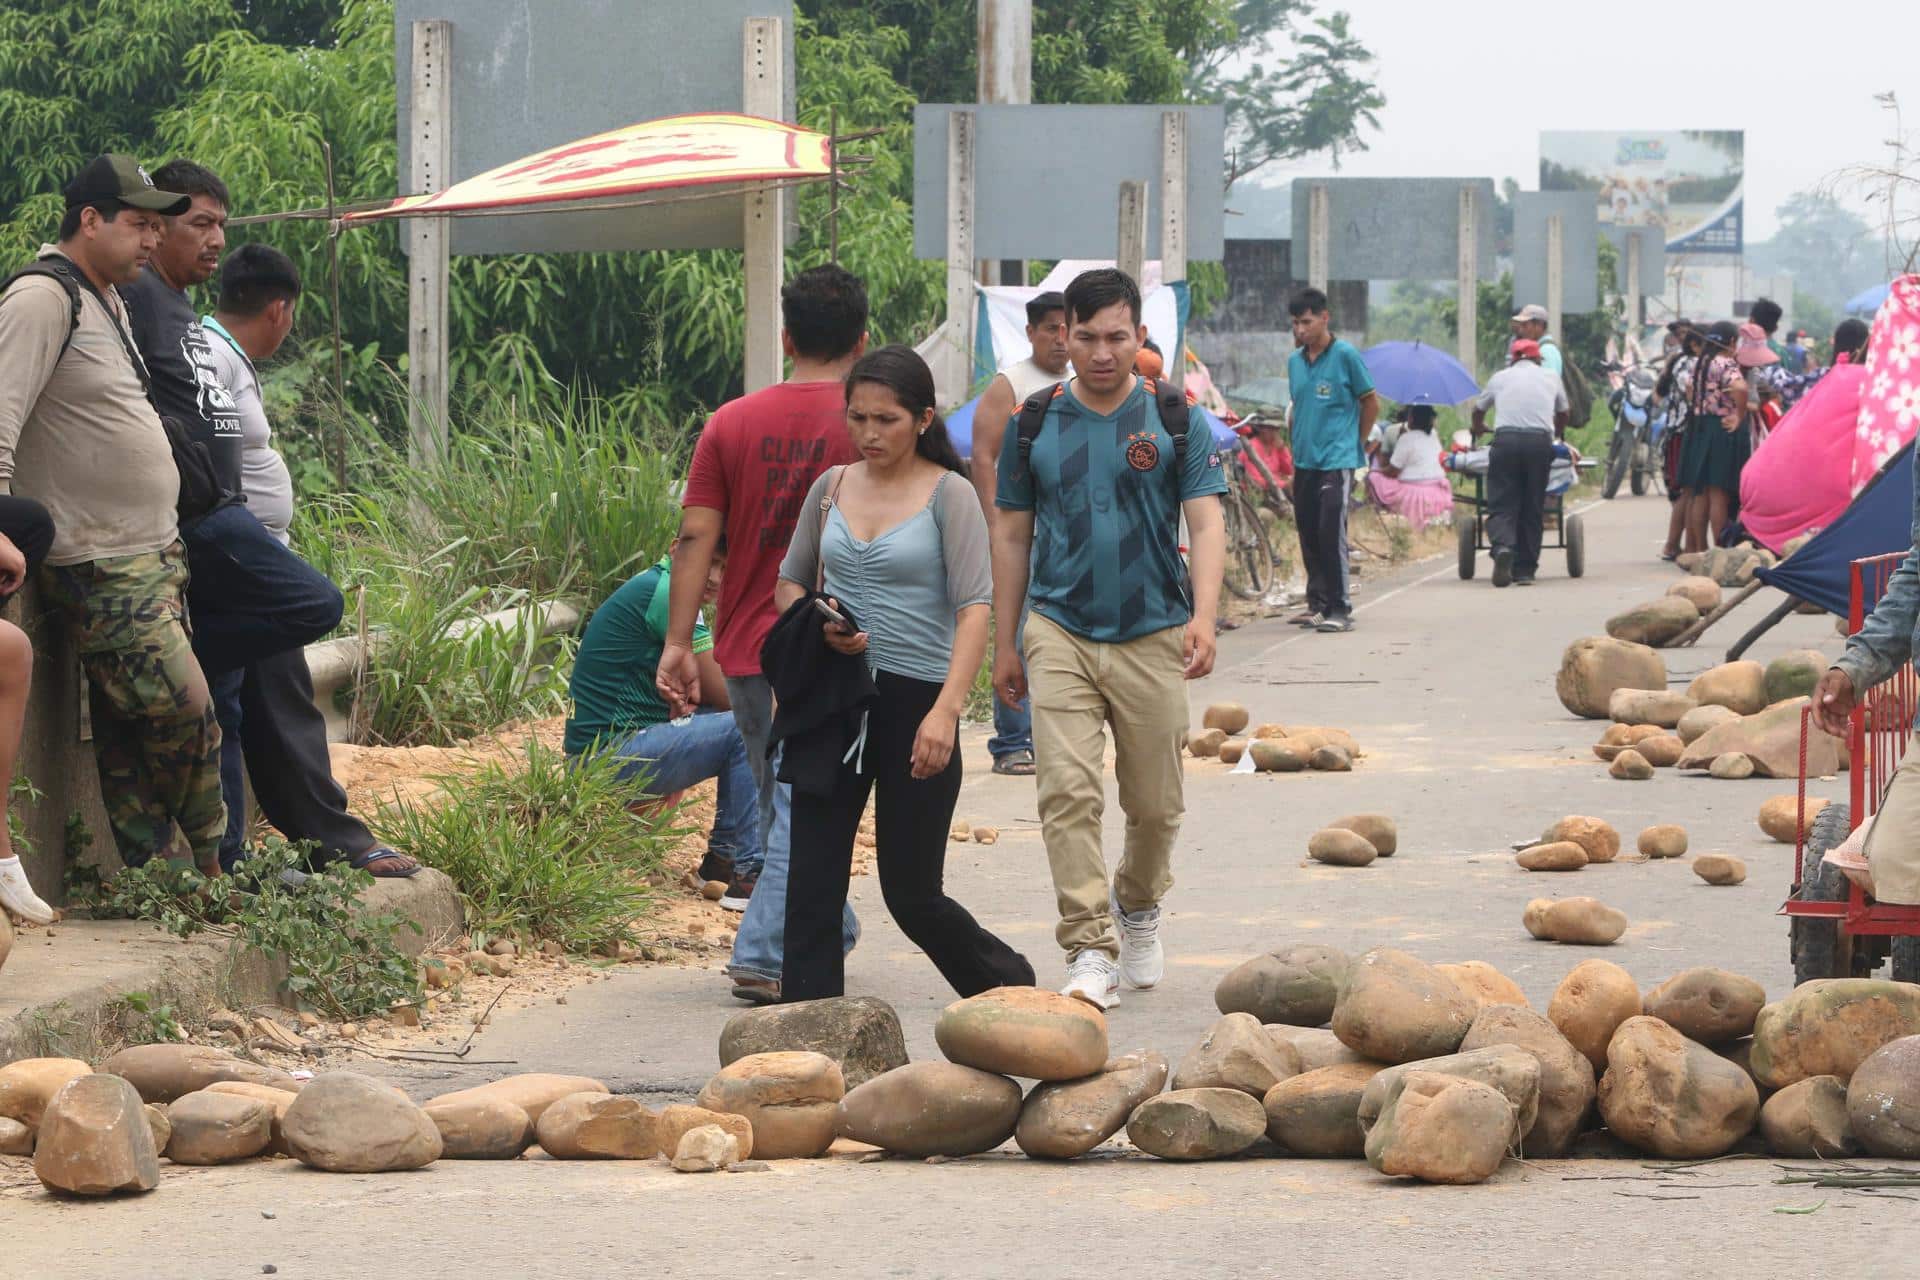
(255, 275)
(1094, 291)
(1045, 305)
(1766, 313)
(70, 221)
(825, 312)
(191, 179)
(1307, 302)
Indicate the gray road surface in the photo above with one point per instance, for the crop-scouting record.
(1448, 686)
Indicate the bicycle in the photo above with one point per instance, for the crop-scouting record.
(1249, 569)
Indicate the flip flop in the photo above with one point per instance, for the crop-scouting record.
(370, 861)
(1018, 763)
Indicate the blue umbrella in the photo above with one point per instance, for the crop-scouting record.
(1415, 373)
(1868, 299)
(960, 428)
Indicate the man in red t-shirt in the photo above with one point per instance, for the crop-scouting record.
(751, 471)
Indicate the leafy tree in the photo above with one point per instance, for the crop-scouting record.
(1315, 95)
(251, 88)
(1828, 249)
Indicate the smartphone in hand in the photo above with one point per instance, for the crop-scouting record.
(833, 615)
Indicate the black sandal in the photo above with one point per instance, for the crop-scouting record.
(371, 862)
(1018, 763)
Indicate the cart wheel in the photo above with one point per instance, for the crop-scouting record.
(1467, 534)
(1575, 536)
(1821, 948)
(1906, 960)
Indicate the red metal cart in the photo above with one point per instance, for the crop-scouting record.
(1835, 929)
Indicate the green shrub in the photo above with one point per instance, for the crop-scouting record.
(542, 850)
(341, 958)
(525, 508)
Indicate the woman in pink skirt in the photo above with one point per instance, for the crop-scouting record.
(1411, 483)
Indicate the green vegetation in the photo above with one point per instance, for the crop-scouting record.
(544, 850)
(564, 500)
(341, 958)
(146, 1018)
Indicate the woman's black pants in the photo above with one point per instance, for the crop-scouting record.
(912, 819)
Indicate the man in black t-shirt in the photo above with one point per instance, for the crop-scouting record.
(254, 604)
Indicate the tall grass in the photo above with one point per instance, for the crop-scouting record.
(526, 506)
(542, 850)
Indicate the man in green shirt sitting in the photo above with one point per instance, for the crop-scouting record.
(617, 709)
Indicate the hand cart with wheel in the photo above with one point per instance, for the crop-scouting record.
(1834, 928)
(1561, 530)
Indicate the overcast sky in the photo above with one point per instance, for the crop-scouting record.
(1470, 83)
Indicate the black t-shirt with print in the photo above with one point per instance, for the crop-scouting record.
(171, 340)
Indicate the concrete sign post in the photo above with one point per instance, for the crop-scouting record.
(1319, 237)
(1132, 255)
(1467, 281)
(1556, 271)
(1556, 253)
(1636, 301)
(763, 232)
(429, 169)
(1006, 76)
(1173, 196)
(961, 317)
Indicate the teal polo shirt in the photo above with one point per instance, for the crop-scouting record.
(1106, 515)
(1326, 407)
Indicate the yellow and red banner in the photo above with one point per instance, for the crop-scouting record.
(679, 151)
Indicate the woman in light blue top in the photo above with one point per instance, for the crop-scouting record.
(899, 538)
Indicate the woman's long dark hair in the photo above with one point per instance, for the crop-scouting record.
(901, 370)
(1715, 341)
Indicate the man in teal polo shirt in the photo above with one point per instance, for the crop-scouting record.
(617, 710)
(1334, 407)
(1117, 626)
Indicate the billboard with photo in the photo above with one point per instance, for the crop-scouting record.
(1687, 182)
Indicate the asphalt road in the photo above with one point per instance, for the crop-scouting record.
(1448, 686)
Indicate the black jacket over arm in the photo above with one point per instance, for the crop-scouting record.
(819, 696)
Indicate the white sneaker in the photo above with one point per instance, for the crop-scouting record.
(1143, 962)
(1094, 977)
(17, 895)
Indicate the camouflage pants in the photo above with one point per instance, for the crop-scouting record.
(155, 739)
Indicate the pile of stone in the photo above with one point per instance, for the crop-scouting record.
(1736, 720)
(1275, 748)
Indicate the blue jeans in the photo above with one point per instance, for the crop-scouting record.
(759, 948)
(248, 596)
(1012, 726)
(673, 756)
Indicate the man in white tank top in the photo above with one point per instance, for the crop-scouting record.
(1012, 743)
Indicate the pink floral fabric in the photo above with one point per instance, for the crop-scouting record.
(1890, 401)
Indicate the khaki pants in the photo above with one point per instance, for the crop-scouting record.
(1080, 688)
(1893, 842)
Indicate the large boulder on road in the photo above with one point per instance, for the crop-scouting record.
(1591, 669)
(1655, 623)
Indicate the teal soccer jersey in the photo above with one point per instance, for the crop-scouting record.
(1106, 515)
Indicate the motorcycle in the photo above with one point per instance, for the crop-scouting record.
(1638, 425)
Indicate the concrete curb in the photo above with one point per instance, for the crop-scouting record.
(64, 995)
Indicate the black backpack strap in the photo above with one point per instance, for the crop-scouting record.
(1033, 416)
(54, 267)
(1171, 401)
